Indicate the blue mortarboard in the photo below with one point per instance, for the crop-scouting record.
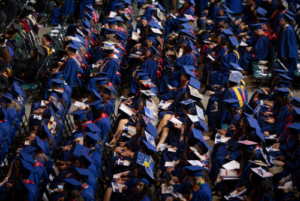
(48, 131)
(92, 127)
(284, 83)
(255, 26)
(282, 92)
(151, 129)
(233, 41)
(29, 149)
(72, 47)
(159, 6)
(194, 83)
(57, 75)
(72, 184)
(261, 11)
(187, 26)
(187, 72)
(79, 37)
(79, 114)
(105, 90)
(246, 147)
(78, 44)
(222, 18)
(80, 149)
(283, 76)
(148, 113)
(202, 144)
(26, 168)
(96, 104)
(246, 108)
(86, 23)
(108, 48)
(88, 15)
(188, 102)
(153, 50)
(202, 124)
(83, 173)
(295, 128)
(278, 71)
(290, 13)
(259, 134)
(234, 78)
(127, 2)
(263, 20)
(287, 17)
(19, 81)
(143, 76)
(77, 134)
(28, 158)
(39, 143)
(227, 32)
(6, 99)
(88, 7)
(95, 95)
(236, 66)
(226, 8)
(119, 6)
(194, 171)
(295, 101)
(195, 134)
(144, 17)
(119, 18)
(187, 33)
(155, 25)
(232, 102)
(147, 147)
(56, 83)
(18, 89)
(191, 2)
(91, 137)
(183, 19)
(112, 21)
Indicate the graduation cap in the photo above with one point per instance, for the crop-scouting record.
(194, 171)
(79, 37)
(88, 15)
(295, 101)
(147, 176)
(109, 48)
(147, 147)
(127, 2)
(187, 72)
(191, 2)
(290, 13)
(38, 143)
(232, 102)
(119, 19)
(78, 44)
(95, 95)
(287, 17)
(85, 23)
(194, 83)
(40, 50)
(92, 127)
(91, 138)
(26, 167)
(72, 184)
(155, 25)
(254, 27)
(83, 174)
(17, 26)
(22, 188)
(246, 146)
(157, 5)
(143, 76)
(152, 50)
(186, 25)
(119, 6)
(202, 144)
(226, 9)
(19, 81)
(144, 17)
(234, 78)
(222, 18)
(151, 129)
(294, 128)
(96, 104)
(73, 48)
(80, 150)
(284, 83)
(112, 21)
(56, 83)
(227, 32)
(283, 76)
(106, 90)
(79, 114)
(201, 125)
(282, 92)
(29, 149)
(187, 33)
(246, 108)
(236, 66)
(183, 19)
(29, 8)
(263, 20)
(261, 11)
(47, 131)
(233, 41)
(27, 157)
(6, 99)
(88, 7)
(77, 133)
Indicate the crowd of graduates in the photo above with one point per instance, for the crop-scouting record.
(155, 137)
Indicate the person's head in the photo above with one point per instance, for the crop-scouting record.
(283, 22)
(183, 78)
(250, 2)
(144, 22)
(221, 12)
(46, 39)
(70, 53)
(114, 26)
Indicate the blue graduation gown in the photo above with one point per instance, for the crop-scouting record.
(200, 5)
(260, 52)
(87, 193)
(225, 66)
(202, 194)
(104, 124)
(70, 68)
(32, 195)
(111, 67)
(287, 48)
(65, 10)
(236, 6)
(82, 4)
(111, 6)
(149, 66)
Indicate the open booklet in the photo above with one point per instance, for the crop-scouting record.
(163, 104)
(125, 109)
(195, 92)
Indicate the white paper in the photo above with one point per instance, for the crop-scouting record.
(232, 165)
(112, 14)
(171, 150)
(148, 92)
(166, 189)
(193, 118)
(124, 98)
(138, 31)
(175, 121)
(60, 186)
(51, 177)
(270, 149)
(243, 44)
(43, 103)
(195, 92)
(135, 36)
(287, 185)
(298, 66)
(125, 135)
(54, 31)
(80, 104)
(123, 162)
(210, 57)
(163, 104)
(229, 173)
(200, 112)
(95, 66)
(163, 146)
(188, 16)
(263, 62)
(195, 163)
(134, 56)
(157, 31)
(170, 164)
(234, 194)
(117, 187)
(38, 117)
(262, 172)
(262, 67)
(125, 109)
(119, 174)
(27, 142)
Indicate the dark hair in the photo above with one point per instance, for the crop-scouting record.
(146, 191)
(74, 195)
(80, 122)
(19, 193)
(223, 41)
(247, 155)
(98, 112)
(264, 186)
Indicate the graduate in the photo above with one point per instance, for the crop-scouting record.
(59, 13)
